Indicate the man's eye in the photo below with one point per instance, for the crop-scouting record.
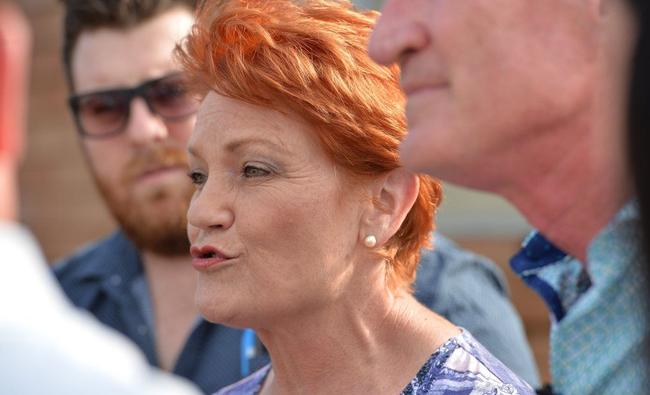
(251, 171)
(197, 178)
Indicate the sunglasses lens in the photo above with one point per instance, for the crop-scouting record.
(102, 113)
(107, 113)
(170, 98)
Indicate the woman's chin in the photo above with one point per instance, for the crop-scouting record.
(223, 313)
(219, 315)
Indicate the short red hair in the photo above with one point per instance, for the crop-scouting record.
(310, 57)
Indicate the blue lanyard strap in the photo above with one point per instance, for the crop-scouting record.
(246, 351)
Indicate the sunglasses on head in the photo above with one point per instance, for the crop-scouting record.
(106, 113)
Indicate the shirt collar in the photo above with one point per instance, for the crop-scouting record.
(115, 261)
(535, 264)
(561, 279)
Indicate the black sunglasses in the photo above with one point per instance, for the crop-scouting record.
(106, 113)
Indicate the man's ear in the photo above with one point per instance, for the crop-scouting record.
(14, 49)
(393, 198)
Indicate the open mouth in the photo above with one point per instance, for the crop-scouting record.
(207, 256)
(206, 252)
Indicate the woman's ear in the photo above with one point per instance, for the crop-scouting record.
(393, 197)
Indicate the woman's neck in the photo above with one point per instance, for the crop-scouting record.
(354, 347)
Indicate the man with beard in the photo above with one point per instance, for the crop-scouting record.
(134, 118)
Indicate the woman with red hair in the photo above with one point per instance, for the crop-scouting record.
(303, 225)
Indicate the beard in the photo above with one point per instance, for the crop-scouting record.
(155, 220)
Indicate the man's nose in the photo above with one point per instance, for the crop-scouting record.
(396, 34)
(144, 126)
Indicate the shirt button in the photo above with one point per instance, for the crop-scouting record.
(142, 330)
(116, 280)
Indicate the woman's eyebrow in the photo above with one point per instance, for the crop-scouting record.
(241, 143)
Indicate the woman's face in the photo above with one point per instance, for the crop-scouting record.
(274, 225)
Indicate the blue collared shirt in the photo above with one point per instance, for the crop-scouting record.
(598, 310)
(107, 279)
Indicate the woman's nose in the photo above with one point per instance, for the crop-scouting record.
(211, 209)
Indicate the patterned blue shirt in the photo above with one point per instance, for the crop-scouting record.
(460, 366)
(599, 316)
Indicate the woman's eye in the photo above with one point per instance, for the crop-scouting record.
(251, 171)
(197, 178)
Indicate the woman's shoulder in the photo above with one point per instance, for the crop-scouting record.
(247, 386)
(463, 365)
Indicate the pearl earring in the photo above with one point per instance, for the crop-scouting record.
(370, 241)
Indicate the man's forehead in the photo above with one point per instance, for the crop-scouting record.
(112, 57)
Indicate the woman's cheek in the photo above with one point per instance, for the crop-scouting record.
(292, 219)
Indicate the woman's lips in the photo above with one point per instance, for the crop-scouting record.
(206, 257)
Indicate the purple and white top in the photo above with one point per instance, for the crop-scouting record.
(460, 366)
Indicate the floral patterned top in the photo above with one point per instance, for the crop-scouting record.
(460, 366)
